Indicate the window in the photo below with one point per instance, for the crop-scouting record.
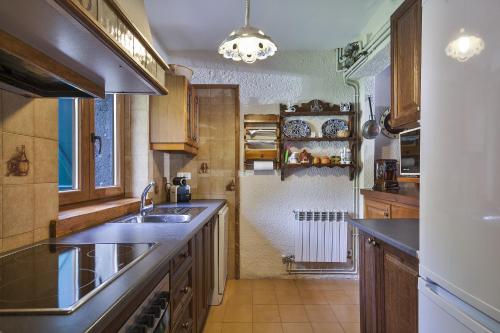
(90, 148)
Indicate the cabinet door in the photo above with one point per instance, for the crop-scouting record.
(400, 293)
(377, 210)
(402, 211)
(189, 114)
(406, 37)
(370, 284)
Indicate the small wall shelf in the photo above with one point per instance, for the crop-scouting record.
(317, 108)
(261, 139)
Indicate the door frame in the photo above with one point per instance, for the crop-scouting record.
(236, 88)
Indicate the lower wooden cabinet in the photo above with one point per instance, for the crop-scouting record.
(388, 288)
(386, 205)
(192, 282)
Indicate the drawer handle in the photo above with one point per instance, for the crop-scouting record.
(186, 289)
(386, 214)
(372, 241)
(184, 255)
(186, 324)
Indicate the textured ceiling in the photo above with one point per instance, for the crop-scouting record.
(293, 24)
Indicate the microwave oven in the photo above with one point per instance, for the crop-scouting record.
(409, 148)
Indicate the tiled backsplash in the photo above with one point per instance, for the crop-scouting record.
(28, 203)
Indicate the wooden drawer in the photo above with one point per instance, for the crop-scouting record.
(181, 293)
(377, 210)
(404, 212)
(261, 154)
(181, 260)
(185, 322)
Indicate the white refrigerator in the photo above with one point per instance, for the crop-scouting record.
(459, 287)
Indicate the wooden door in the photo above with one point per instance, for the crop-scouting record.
(370, 285)
(377, 210)
(406, 39)
(400, 293)
(399, 211)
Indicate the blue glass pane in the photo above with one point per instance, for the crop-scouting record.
(66, 119)
(104, 124)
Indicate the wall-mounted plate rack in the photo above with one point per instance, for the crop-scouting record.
(318, 108)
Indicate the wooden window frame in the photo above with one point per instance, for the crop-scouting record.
(86, 191)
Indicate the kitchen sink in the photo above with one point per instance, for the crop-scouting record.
(164, 215)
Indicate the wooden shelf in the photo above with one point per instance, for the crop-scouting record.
(316, 114)
(284, 168)
(326, 139)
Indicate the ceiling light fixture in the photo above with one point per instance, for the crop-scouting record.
(464, 47)
(247, 43)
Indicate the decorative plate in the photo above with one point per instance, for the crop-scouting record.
(296, 129)
(387, 130)
(332, 126)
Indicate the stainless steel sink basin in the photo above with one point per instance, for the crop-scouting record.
(162, 214)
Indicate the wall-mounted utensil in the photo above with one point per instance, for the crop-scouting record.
(371, 128)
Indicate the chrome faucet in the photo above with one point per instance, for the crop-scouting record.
(145, 208)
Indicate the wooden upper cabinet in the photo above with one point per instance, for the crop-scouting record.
(174, 118)
(406, 40)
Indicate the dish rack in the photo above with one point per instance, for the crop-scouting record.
(261, 141)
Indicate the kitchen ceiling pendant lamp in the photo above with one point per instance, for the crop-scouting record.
(464, 47)
(247, 43)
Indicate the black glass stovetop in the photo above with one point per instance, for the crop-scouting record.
(57, 278)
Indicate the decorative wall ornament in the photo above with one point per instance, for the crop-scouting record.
(350, 54)
(18, 165)
(464, 47)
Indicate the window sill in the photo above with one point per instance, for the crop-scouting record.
(79, 218)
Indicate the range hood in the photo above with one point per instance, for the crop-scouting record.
(75, 48)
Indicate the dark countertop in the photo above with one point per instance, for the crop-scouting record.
(95, 314)
(403, 234)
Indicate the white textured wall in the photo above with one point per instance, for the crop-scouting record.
(266, 201)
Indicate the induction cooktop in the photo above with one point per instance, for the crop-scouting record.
(58, 278)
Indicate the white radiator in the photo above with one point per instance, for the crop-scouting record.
(320, 236)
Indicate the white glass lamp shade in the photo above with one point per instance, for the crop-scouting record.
(247, 44)
(464, 47)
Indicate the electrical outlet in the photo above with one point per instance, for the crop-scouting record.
(186, 175)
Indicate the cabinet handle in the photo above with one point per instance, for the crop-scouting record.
(186, 289)
(372, 241)
(386, 214)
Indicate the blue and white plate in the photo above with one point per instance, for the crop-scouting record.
(296, 129)
(332, 126)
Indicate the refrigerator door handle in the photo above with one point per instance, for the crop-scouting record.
(463, 312)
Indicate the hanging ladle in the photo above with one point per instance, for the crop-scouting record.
(371, 128)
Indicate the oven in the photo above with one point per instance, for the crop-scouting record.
(153, 314)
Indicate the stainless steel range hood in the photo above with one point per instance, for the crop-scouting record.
(75, 48)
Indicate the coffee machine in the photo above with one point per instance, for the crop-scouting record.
(180, 191)
(386, 175)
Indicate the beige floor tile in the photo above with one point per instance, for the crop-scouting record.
(282, 283)
(297, 328)
(346, 313)
(320, 313)
(293, 313)
(339, 297)
(266, 314)
(288, 297)
(263, 296)
(240, 284)
(238, 296)
(211, 327)
(216, 313)
(313, 296)
(308, 284)
(267, 328)
(238, 314)
(327, 328)
(236, 328)
(351, 327)
(263, 284)
(354, 295)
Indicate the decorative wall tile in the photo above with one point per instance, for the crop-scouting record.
(45, 161)
(46, 204)
(46, 118)
(10, 144)
(17, 113)
(18, 209)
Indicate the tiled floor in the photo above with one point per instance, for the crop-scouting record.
(287, 306)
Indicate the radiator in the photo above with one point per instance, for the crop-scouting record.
(320, 236)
